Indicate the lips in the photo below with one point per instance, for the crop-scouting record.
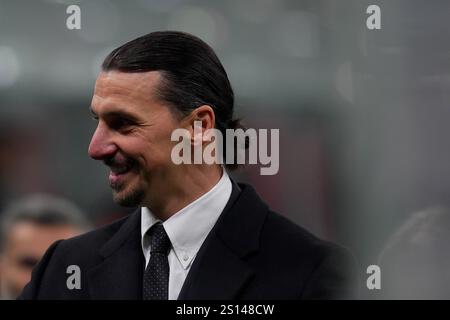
(120, 169)
(116, 178)
(118, 174)
(120, 166)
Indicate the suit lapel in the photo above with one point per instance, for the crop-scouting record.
(220, 270)
(119, 276)
(219, 274)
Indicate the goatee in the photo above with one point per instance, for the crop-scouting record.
(128, 199)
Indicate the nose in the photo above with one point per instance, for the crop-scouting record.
(101, 146)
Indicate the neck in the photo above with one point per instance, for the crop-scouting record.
(190, 183)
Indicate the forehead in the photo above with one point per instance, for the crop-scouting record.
(115, 87)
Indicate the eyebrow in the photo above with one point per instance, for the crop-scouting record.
(115, 113)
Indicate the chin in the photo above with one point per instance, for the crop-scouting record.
(126, 198)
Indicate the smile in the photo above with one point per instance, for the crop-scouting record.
(120, 170)
(117, 175)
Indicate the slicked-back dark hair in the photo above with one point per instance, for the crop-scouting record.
(192, 74)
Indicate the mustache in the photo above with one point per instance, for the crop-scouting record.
(119, 160)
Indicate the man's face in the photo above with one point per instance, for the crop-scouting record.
(133, 134)
(25, 244)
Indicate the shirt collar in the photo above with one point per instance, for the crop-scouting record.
(188, 228)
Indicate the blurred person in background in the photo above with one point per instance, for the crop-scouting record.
(415, 263)
(27, 228)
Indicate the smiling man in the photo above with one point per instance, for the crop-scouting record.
(197, 234)
(133, 139)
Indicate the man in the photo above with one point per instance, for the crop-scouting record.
(197, 234)
(27, 229)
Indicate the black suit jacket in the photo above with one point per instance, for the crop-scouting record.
(251, 253)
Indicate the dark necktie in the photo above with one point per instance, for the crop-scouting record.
(156, 275)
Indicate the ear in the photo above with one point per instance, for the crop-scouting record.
(200, 120)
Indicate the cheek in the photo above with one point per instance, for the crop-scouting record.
(152, 147)
(148, 153)
(159, 152)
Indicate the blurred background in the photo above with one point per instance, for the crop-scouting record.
(363, 114)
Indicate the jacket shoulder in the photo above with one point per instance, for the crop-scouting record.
(286, 233)
(49, 276)
(93, 240)
(328, 270)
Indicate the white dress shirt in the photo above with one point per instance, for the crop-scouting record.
(187, 229)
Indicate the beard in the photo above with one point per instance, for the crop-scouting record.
(124, 193)
(128, 198)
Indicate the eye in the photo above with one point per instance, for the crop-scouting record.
(121, 124)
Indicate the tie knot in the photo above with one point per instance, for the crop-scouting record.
(159, 240)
